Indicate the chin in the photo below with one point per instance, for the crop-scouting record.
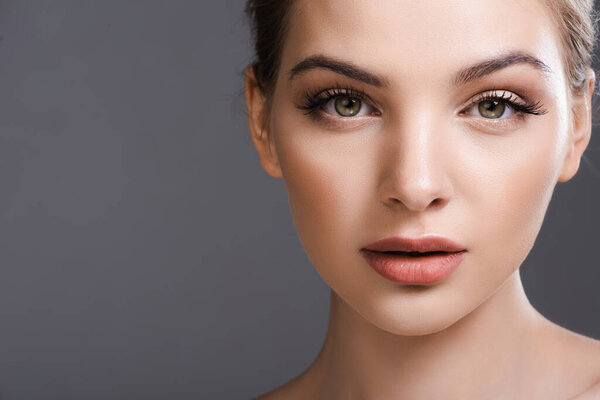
(404, 315)
(422, 326)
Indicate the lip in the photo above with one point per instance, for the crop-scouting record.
(426, 244)
(414, 269)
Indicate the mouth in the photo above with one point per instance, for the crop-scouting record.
(414, 268)
(415, 247)
(413, 253)
(423, 261)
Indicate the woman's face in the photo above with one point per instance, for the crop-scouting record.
(415, 149)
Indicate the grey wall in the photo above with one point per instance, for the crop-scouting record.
(144, 254)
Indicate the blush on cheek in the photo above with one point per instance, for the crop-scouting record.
(310, 193)
(328, 184)
(320, 196)
(520, 194)
(315, 210)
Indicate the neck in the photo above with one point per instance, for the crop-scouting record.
(481, 354)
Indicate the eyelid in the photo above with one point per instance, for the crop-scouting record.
(481, 96)
(315, 100)
(519, 104)
(317, 105)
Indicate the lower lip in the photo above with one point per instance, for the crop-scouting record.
(409, 270)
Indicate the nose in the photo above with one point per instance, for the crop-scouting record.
(414, 168)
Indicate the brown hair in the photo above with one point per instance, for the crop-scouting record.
(575, 19)
(268, 25)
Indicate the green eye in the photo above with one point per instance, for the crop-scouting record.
(491, 109)
(347, 106)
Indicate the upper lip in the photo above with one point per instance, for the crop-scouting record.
(421, 245)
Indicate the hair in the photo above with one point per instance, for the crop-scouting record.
(576, 21)
(268, 22)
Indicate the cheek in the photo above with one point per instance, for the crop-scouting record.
(323, 187)
(329, 183)
(507, 192)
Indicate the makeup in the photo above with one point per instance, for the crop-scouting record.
(414, 261)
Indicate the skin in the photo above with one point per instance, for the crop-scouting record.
(418, 160)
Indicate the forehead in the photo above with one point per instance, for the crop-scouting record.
(419, 37)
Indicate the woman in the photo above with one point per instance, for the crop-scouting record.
(420, 143)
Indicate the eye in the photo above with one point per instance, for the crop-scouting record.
(492, 109)
(337, 103)
(346, 106)
(502, 106)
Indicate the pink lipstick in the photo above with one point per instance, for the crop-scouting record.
(414, 261)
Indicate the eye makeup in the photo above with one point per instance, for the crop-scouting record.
(317, 105)
(314, 100)
(520, 105)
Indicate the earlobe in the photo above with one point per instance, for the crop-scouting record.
(258, 125)
(580, 129)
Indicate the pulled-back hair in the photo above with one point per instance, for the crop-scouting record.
(576, 21)
(268, 22)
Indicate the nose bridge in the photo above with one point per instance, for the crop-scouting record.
(414, 168)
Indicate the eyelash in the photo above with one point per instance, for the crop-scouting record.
(315, 100)
(509, 99)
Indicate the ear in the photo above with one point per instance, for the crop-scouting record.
(258, 125)
(580, 129)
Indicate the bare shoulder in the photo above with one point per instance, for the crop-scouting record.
(296, 389)
(272, 395)
(591, 393)
(285, 392)
(582, 353)
(579, 363)
(279, 393)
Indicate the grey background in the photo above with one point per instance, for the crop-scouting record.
(144, 254)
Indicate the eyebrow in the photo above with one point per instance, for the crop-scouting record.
(341, 67)
(486, 67)
(465, 75)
